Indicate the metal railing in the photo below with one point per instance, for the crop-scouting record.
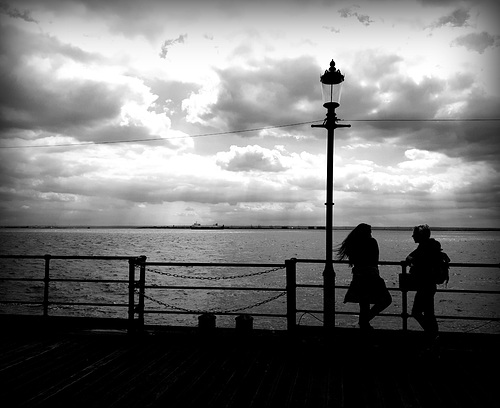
(138, 291)
(404, 315)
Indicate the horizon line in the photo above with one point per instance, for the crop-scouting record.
(245, 226)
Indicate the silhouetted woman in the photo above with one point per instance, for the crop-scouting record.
(367, 287)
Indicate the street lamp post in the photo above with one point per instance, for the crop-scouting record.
(331, 86)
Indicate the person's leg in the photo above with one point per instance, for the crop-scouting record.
(431, 325)
(418, 308)
(364, 315)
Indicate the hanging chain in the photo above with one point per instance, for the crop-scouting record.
(177, 275)
(198, 277)
(238, 309)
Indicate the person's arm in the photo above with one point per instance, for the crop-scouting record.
(410, 259)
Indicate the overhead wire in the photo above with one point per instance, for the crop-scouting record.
(157, 139)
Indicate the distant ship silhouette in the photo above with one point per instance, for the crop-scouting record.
(197, 225)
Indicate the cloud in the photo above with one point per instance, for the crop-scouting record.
(15, 13)
(267, 92)
(458, 18)
(62, 85)
(63, 94)
(349, 12)
(250, 158)
(167, 44)
(38, 91)
(478, 42)
(332, 29)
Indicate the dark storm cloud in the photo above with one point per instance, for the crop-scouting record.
(266, 93)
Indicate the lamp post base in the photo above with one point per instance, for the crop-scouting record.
(329, 294)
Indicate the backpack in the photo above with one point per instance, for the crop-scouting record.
(441, 271)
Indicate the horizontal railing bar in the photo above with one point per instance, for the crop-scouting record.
(395, 263)
(21, 302)
(88, 280)
(486, 292)
(322, 261)
(398, 315)
(299, 285)
(493, 319)
(474, 265)
(64, 280)
(446, 317)
(152, 311)
(101, 258)
(299, 260)
(248, 265)
(87, 304)
(217, 288)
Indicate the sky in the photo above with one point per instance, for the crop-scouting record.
(174, 112)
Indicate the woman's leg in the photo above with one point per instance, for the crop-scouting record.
(377, 308)
(381, 295)
(364, 315)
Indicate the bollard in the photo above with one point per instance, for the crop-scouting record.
(206, 321)
(244, 323)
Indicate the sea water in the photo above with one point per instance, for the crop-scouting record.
(241, 246)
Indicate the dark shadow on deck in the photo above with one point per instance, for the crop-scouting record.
(78, 366)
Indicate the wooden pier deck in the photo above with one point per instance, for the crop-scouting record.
(184, 368)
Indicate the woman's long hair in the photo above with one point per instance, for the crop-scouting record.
(353, 242)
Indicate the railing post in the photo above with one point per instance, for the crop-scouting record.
(142, 290)
(131, 294)
(291, 293)
(404, 297)
(46, 280)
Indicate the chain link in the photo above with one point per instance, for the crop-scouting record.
(238, 309)
(198, 277)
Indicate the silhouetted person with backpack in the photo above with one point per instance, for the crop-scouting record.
(423, 262)
(367, 287)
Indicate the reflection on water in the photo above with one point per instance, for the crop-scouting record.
(243, 246)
